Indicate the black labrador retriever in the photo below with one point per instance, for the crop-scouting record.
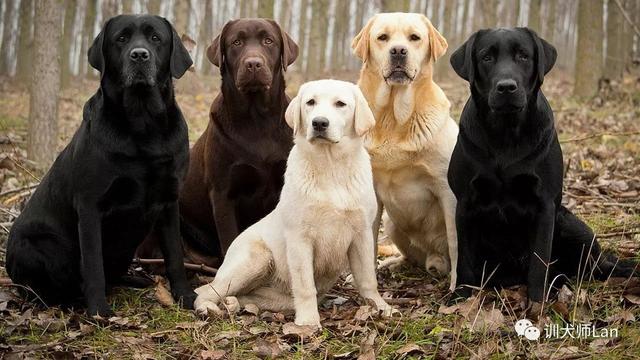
(118, 179)
(507, 170)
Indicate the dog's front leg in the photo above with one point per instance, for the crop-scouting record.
(167, 228)
(466, 268)
(364, 272)
(376, 229)
(303, 286)
(224, 215)
(540, 258)
(91, 261)
(448, 205)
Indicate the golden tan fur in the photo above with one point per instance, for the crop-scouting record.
(412, 140)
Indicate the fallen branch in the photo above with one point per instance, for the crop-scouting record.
(618, 233)
(628, 133)
(12, 191)
(195, 267)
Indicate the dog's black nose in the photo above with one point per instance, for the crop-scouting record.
(398, 51)
(507, 86)
(320, 123)
(253, 63)
(139, 54)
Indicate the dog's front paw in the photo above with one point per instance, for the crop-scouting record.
(101, 309)
(387, 310)
(206, 307)
(231, 304)
(185, 298)
(312, 320)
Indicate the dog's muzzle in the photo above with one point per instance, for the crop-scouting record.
(139, 69)
(507, 97)
(253, 75)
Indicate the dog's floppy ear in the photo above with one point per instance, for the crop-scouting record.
(437, 43)
(180, 60)
(289, 51)
(96, 53)
(363, 118)
(462, 59)
(360, 43)
(215, 51)
(546, 54)
(293, 114)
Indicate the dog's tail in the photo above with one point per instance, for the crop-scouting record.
(577, 238)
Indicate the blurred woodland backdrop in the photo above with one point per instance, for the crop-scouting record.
(596, 38)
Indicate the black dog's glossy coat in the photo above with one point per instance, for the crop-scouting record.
(507, 170)
(117, 180)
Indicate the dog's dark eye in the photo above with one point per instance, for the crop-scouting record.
(237, 43)
(383, 37)
(121, 38)
(155, 38)
(487, 58)
(311, 102)
(414, 37)
(340, 104)
(268, 41)
(522, 57)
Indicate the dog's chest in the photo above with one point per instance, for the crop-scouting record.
(507, 197)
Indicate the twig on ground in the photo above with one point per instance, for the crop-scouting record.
(195, 267)
(626, 133)
(12, 191)
(618, 233)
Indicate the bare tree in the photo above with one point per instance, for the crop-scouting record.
(534, 15)
(25, 40)
(265, 9)
(615, 55)
(67, 38)
(8, 37)
(45, 83)
(589, 51)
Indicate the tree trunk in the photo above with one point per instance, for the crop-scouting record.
(7, 37)
(45, 84)
(88, 35)
(316, 58)
(589, 48)
(265, 9)
(534, 15)
(181, 11)
(302, 35)
(153, 6)
(614, 58)
(395, 5)
(67, 38)
(25, 40)
(206, 34)
(488, 11)
(550, 23)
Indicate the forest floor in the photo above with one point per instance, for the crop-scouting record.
(601, 143)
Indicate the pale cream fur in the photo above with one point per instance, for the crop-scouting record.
(411, 142)
(320, 227)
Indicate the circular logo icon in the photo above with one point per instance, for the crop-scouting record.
(532, 333)
(522, 325)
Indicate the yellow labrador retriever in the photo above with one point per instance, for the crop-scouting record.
(321, 226)
(413, 138)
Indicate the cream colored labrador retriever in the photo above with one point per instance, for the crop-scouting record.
(413, 138)
(322, 224)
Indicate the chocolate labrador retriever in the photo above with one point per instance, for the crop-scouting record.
(118, 179)
(237, 166)
(506, 172)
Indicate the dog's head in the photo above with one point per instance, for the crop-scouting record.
(505, 67)
(397, 45)
(138, 51)
(252, 51)
(329, 112)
